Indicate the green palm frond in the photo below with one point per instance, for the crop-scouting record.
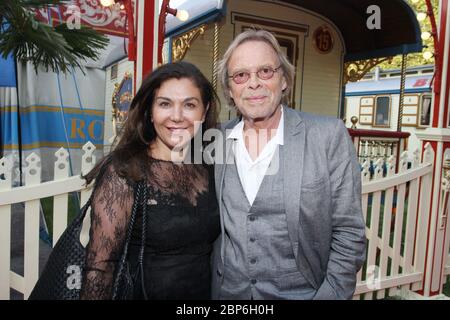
(83, 42)
(55, 48)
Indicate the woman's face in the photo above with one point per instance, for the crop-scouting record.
(177, 114)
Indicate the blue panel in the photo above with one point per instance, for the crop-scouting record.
(8, 126)
(7, 72)
(45, 128)
(375, 92)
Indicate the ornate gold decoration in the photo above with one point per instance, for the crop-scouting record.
(356, 70)
(122, 97)
(181, 44)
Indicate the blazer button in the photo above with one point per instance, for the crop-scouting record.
(252, 218)
(253, 261)
(253, 281)
(219, 273)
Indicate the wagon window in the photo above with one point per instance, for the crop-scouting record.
(382, 111)
(425, 110)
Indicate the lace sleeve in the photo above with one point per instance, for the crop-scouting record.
(110, 212)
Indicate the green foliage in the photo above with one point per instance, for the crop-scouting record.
(56, 48)
(417, 59)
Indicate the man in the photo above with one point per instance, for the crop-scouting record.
(290, 198)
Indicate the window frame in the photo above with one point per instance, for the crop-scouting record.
(374, 124)
(429, 94)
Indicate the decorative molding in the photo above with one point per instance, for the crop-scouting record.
(181, 44)
(356, 70)
(110, 20)
(434, 134)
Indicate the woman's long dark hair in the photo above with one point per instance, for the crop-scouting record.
(130, 155)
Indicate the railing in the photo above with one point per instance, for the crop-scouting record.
(375, 144)
(396, 210)
(30, 194)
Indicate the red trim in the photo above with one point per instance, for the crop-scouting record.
(444, 254)
(162, 27)
(434, 146)
(439, 51)
(447, 99)
(131, 36)
(377, 133)
(149, 38)
(446, 72)
(445, 145)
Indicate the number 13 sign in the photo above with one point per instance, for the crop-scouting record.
(323, 40)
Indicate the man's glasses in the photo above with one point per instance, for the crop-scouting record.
(264, 73)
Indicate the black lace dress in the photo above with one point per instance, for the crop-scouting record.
(182, 224)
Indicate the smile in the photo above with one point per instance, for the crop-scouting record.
(256, 98)
(173, 129)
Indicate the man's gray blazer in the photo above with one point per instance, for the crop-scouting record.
(322, 187)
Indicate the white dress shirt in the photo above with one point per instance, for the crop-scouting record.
(251, 173)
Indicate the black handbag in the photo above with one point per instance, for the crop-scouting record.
(62, 276)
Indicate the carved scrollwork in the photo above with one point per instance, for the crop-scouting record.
(182, 43)
(356, 70)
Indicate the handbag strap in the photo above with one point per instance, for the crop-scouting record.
(139, 190)
(143, 237)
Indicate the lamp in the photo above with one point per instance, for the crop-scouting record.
(425, 35)
(182, 15)
(427, 55)
(107, 3)
(421, 16)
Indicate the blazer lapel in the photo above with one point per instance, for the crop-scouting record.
(293, 159)
(220, 175)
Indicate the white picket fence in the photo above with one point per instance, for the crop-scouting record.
(30, 194)
(396, 223)
(396, 235)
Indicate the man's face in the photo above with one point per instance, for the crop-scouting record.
(256, 99)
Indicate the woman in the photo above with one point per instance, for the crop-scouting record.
(182, 220)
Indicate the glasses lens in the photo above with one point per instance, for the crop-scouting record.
(240, 77)
(265, 73)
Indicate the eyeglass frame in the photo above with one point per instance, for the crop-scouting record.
(250, 72)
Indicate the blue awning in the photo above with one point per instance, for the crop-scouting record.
(399, 33)
(200, 11)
